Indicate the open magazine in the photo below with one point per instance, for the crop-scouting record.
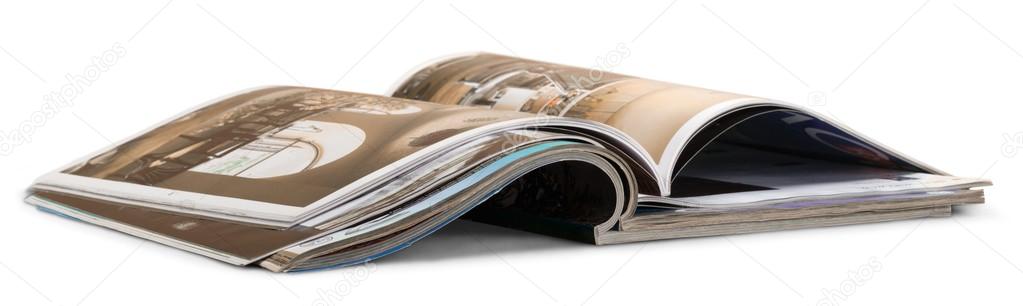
(292, 178)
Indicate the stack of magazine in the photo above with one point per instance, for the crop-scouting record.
(292, 178)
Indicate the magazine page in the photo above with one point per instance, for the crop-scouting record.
(241, 243)
(652, 112)
(714, 179)
(672, 122)
(555, 166)
(230, 242)
(777, 155)
(233, 157)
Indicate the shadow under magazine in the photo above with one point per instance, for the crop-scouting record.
(463, 238)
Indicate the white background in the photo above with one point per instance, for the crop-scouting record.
(937, 80)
